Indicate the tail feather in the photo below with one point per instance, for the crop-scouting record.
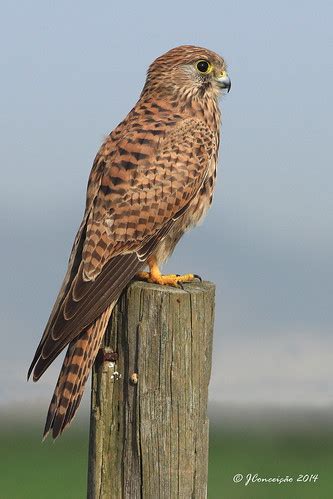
(73, 376)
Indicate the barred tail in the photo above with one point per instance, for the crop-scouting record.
(74, 373)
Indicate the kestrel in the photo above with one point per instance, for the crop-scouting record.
(152, 180)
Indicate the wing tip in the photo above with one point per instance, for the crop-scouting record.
(35, 376)
(32, 365)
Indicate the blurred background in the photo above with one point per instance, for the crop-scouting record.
(70, 72)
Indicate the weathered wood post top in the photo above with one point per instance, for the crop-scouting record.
(149, 425)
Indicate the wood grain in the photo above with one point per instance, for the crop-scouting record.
(149, 425)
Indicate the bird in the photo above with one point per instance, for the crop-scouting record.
(151, 181)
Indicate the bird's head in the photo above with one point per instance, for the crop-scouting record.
(190, 71)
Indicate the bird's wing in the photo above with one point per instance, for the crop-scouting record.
(75, 255)
(135, 193)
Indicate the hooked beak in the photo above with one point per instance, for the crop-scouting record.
(224, 81)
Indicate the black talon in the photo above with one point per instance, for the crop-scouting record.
(197, 277)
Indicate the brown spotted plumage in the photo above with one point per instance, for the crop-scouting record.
(152, 180)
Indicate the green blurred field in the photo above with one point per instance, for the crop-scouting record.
(279, 453)
(32, 470)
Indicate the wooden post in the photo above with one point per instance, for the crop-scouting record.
(149, 425)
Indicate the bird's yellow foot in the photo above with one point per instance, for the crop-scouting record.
(154, 276)
(168, 280)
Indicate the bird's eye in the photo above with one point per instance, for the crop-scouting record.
(204, 67)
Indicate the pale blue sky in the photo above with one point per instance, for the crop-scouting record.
(70, 73)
